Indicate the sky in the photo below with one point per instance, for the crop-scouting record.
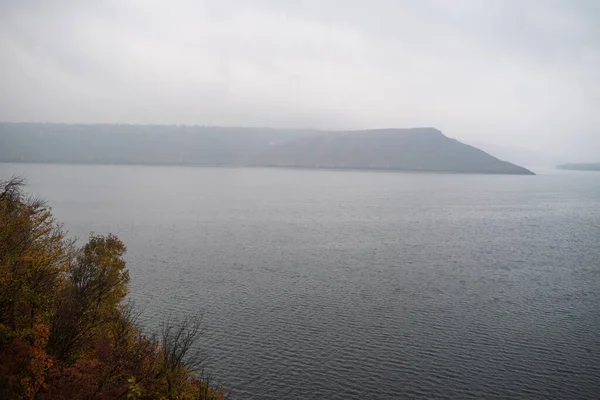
(514, 73)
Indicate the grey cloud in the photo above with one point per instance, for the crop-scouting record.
(506, 72)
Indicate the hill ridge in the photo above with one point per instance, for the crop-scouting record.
(424, 149)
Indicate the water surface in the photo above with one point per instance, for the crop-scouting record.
(349, 284)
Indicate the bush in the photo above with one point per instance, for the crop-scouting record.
(66, 331)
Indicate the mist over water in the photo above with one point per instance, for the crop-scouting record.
(513, 74)
(347, 284)
(158, 120)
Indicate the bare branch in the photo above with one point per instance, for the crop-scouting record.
(179, 343)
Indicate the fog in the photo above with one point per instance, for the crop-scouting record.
(506, 73)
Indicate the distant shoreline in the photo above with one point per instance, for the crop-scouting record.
(589, 167)
(421, 149)
(194, 165)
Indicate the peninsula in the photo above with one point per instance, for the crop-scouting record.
(416, 149)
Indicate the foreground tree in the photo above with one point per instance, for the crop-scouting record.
(34, 258)
(90, 303)
(66, 331)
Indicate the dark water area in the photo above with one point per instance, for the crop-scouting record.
(349, 284)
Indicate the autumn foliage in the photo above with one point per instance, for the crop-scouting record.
(66, 331)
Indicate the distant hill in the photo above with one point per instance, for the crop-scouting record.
(419, 149)
(580, 167)
(136, 144)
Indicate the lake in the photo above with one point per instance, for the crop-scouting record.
(349, 284)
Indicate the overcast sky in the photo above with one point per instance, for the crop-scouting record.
(509, 72)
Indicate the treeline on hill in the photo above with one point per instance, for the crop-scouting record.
(66, 331)
(415, 149)
(137, 144)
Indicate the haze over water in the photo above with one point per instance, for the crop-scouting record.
(347, 284)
